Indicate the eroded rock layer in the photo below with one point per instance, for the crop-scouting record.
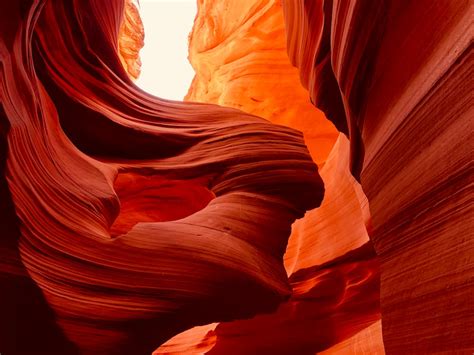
(128, 222)
(238, 51)
(397, 77)
(112, 268)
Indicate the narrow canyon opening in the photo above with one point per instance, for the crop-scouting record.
(234, 176)
(165, 70)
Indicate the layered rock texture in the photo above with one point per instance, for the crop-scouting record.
(239, 55)
(397, 76)
(137, 218)
(132, 224)
(238, 51)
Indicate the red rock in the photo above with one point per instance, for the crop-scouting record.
(398, 76)
(128, 222)
(367, 341)
(324, 234)
(330, 303)
(78, 131)
(195, 340)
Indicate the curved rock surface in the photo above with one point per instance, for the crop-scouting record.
(251, 35)
(367, 341)
(131, 223)
(78, 138)
(397, 78)
(238, 51)
(384, 96)
(334, 277)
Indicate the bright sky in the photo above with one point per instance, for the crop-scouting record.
(166, 71)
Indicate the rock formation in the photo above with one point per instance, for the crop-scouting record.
(384, 98)
(323, 242)
(132, 224)
(131, 39)
(397, 77)
(137, 217)
(238, 51)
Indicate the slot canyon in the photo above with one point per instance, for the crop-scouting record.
(311, 194)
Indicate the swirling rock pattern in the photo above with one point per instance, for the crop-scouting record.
(397, 77)
(238, 51)
(130, 222)
(228, 45)
(334, 277)
(79, 137)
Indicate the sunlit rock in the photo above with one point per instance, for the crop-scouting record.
(240, 55)
(238, 50)
(131, 39)
(135, 225)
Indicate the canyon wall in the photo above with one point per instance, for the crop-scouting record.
(132, 224)
(397, 78)
(128, 218)
(238, 51)
(240, 58)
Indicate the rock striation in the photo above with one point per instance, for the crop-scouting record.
(238, 51)
(325, 242)
(397, 78)
(130, 218)
(131, 224)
